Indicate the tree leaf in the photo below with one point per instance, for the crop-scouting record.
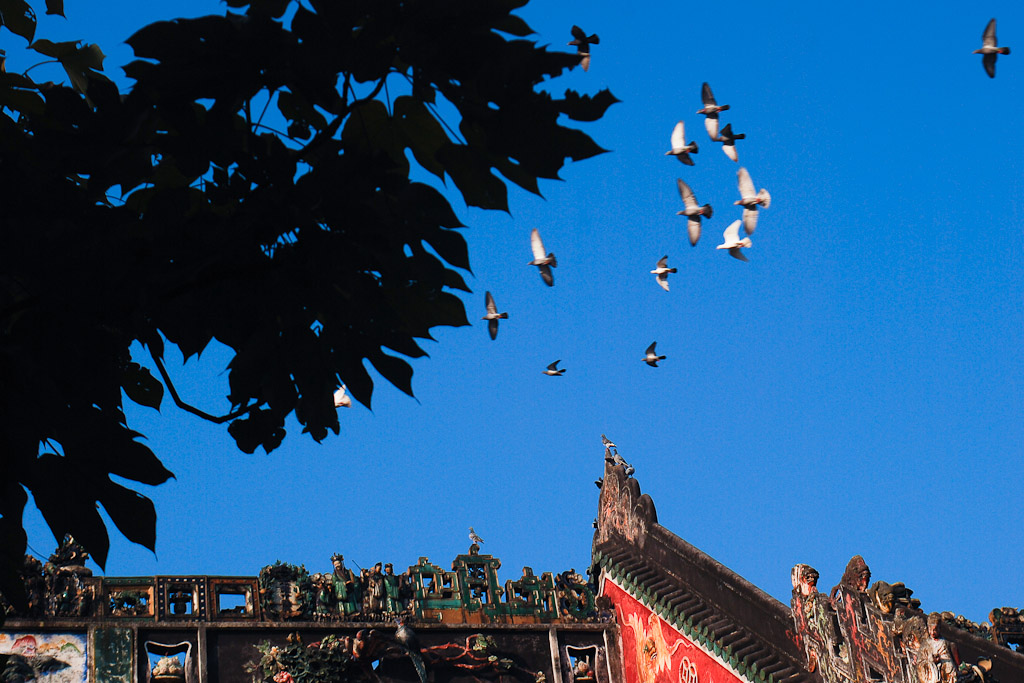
(584, 107)
(19, 18)
(394, 370)
(141, 386)
(55, 7)
(132, 512)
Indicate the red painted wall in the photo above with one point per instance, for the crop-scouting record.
(653, 651)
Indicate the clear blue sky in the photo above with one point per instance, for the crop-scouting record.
(854, 389)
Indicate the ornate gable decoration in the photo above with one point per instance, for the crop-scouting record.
(623, 511)
(857, 633)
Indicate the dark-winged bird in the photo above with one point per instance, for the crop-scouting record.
(651, 357)
(553, 370)
(728, 140)
(543, 262)
(583, 42)
(680, 149)
(693, 211)
(492, 316)
(473, 537)
(989, 49)
(710, 110)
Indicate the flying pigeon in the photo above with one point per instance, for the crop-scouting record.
(651, 357)
(473, 537)
(680, 149)
(728, 140)
(341, 400)
(583, 42)
(733, 243)
(492, 316)
(989, 50)
(553, 370)
(710, 111)
(662, 270)
(543, 263)
(693, 211)
(749, 201)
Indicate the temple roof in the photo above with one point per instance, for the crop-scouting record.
(700, 596)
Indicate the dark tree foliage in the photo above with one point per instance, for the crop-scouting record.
(173, 213)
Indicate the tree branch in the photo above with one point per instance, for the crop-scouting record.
(192, 409)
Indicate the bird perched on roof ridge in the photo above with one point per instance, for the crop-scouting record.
(473, 536)
(733, 243)
(680, 149)
(750, 201)
(492, 316)
(553, 370)
(651, 357)
(989, 50)
(728, 140)
(583, 42)
(710, 110)
(693, 211)
(661, 272)
(341, 399)
(543, 262)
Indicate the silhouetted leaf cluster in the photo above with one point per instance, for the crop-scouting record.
(178, 212)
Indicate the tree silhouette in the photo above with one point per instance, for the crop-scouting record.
(175, 213)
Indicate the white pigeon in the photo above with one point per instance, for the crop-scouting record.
(693, 211)
(750, 200)
(492, 316)
(543, 262)
(553, 370)
(473, 537)
(661, 272)
(680, 149)
(651, 357)
(732, 241)
(341, 400)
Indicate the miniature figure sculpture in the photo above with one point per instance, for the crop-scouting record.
(346, 589)
(943, 653)
(816, 622)
(64, 572)
(375, 590)
(392, 591)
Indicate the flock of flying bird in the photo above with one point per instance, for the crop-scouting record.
(749, 199)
